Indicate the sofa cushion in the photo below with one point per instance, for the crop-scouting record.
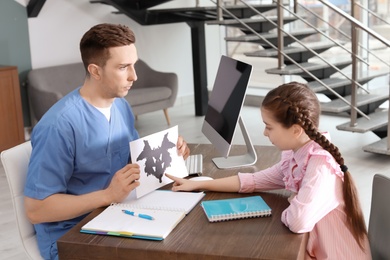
(148, 95)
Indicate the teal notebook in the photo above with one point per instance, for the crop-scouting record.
(228, 209)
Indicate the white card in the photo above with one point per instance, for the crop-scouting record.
(157, 154)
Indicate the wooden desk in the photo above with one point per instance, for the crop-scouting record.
(194, 237)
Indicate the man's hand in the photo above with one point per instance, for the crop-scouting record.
(124, 181)
(59, 207)
(182, 148)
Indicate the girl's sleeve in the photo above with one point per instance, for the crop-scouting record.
(319, 194)
(268, 179)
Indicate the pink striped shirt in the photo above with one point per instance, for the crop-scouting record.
(315, 179)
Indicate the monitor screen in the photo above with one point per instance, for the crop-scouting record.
(225, 103)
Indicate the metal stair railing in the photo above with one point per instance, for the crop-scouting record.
(317, 55)
(322, 33)
(358, 25)
(220, 6)
(371, 12)
(344, 34)
(355, 24)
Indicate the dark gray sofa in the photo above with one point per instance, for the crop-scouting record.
(154, 90)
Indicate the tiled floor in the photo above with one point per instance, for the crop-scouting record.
(361, 164)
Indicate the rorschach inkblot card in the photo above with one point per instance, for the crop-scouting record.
(157, 154)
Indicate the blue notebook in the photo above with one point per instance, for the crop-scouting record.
(228, 209)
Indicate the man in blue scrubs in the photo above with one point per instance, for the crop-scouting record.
(80, 157)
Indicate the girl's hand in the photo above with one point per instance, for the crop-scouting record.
(181, 184)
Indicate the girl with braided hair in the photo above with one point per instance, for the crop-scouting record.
(325, 200)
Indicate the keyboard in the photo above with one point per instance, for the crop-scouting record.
(194, 164)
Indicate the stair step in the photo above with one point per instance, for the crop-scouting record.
(379, 147)
(272, 37)
(338, 106)
(159, 14)
(257, 24)
(363, 125)
(296, 53)
(330, 82)
(343, 82)
(138, 5)
(310, 66)
(253, 38)
(240, 11)
(269, 53)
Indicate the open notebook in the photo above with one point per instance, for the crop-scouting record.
(167, 208)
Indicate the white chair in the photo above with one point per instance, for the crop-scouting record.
(379, 222)
(15, 162)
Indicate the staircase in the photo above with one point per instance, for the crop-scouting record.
(300, 47)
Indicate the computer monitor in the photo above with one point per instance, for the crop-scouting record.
(223, 113)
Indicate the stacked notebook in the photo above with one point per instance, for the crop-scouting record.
(228, 209)
(152, 216)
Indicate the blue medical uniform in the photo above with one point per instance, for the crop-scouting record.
(76, 151)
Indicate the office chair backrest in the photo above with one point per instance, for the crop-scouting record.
(379, 222)
(15, 162)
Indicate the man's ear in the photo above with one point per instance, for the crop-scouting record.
(94, 71)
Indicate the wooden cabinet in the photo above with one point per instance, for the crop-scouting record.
(11, 117)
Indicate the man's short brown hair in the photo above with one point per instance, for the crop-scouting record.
(96, 41)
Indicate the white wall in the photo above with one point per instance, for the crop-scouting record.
(22, 2)
(56, 32)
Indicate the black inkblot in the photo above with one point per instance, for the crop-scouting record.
(158, 159)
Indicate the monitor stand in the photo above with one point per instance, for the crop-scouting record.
(247, 159)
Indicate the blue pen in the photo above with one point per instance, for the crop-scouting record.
(132, 213)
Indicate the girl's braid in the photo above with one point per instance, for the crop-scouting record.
(303, 119)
